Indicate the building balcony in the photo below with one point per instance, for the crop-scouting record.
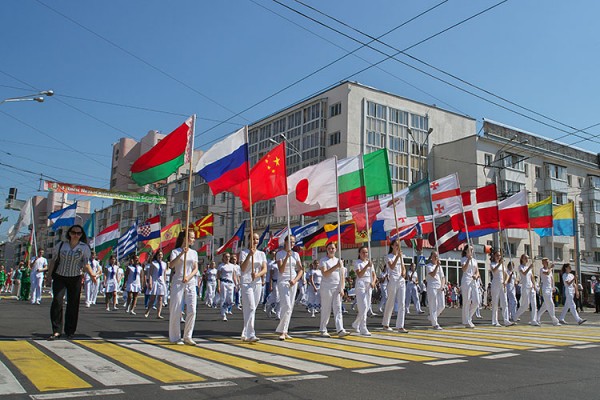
(595, 217)
(513, 175)
(594, 194)
(520, 234)
(594, 242)
(556, 185)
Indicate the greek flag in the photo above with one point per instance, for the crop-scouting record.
(127, 242)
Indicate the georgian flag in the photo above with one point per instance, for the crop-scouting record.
(480, 210)
(445, 196)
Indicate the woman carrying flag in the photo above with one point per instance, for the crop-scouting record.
(332, 290)
(253, 267)
(290, 272)
(157, 283)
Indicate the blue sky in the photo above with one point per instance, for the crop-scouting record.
(170, 59)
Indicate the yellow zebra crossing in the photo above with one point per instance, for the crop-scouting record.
(45, 367)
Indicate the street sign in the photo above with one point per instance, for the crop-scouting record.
(421, 260)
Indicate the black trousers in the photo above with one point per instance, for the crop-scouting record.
(597, 300)
(72, 287)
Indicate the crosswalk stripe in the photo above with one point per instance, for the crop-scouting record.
(415, 337)
(96, 367)
(8, 383)
(501, 355)
(519, 339)
(502, 342)
(362, 350)
(276, 359)
(446, 362)
(201, 385)
(411, 348)
(297, 353)
(297, 378)
(148, 366)
(252, 366)
(463, 338)
(558, 332)
(377, 369)
(197, 365)
(336, 353)
(82, 393)
(42, 371)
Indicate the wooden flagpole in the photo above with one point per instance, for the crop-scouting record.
(251, 241)
(339, 228)
(190, 151)
(362, 167)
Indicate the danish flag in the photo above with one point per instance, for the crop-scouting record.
(445, 196)
(480, 209)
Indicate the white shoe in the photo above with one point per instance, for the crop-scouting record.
(343, 333)
(581, 321)
(365, 333)
(189, 341)
(496, 325)
(509, 323)
(534, 323)
(132, 312)
(402, 330)
(438, 328)
(325, 334)
(225, 318)
(254, 339)
(387, 328)
(470, 325)
(179, 342)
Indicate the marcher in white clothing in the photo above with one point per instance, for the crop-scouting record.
(290, 272)
(527, 290)
(111, 284)
(157, 283)
(412, 289)
(396, 288)
(468, 286)
(134, 276)
(436, 281)
(314, 286)
(511, 291)
(365, 282)
(571, 291)
(211, 284)
(226, 282)
(253, 265)
(273, 305)
(91, 288)
(547, 289)
(499, 278)
(38, 266)
(183, 289)
(332, 290)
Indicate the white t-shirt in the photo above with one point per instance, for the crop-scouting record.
(434, 282)
(113, 277)
(396, 273)
(226, 272)
(317, 277)
(325, 264)
(497, 275)
(546, 280)
(511, 278)
(38, 265)
(211, 275)
(467, 277)
(191, 259)
(412, 277)
(569, 277)
(259, 259)
(359, 265)
(158, 270)
(526, 278)
(273, 270)
(293, 264)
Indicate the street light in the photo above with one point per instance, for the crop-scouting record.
(421, 145)
(38, 97)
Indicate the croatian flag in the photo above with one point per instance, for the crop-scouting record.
(64, 217)
(226, 163)
(149, 229)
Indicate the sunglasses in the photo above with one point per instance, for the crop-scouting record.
(76, 233)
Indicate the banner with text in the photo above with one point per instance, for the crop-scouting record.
(79, 190)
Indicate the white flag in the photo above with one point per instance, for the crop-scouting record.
(24, 220)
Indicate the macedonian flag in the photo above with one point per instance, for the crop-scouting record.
(204, 226)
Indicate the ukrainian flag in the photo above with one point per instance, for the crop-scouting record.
(563, 218)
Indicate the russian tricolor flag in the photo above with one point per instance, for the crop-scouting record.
(226, 163)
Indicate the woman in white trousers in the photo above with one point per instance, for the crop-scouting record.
(527, 290)
(254, 267)
(365, 281)
(183, 289)
(468, 286)
(332, 290)
(157, 286)
(211, 284)
(314, 285)
(227, 281)
(290, 272)
(498, 288)
(571, 291)
(396, 272)
(436, 281)
(547, 289)
(511, 291)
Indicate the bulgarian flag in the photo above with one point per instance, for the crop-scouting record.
(363, 176)
(166, 157)
(105, 241)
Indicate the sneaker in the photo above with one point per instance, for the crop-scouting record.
(146, 314)
(402, 330)
(179, 342)
(281, 337)
(470, 325)
(420, 312)
(496, 325)
(115, 308)
(107, 309)
(288, 337)
(343, 333)
(160, 317)
(509, 323)
(581, 321)
(189, 341)
(132, 312)
(254, 339)
(312, 315)
(438, 328)
(387, 328)
(224, 318)
(534, 323)
(87, 305)
(325, 334)
(557, 324)
(562, 321)
(365, 333)
(373, 314)
(229, 313)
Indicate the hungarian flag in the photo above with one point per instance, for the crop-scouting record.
(105, 241)
(149, 230)
(480, 210)
(514, 212)
(268, 178)
(447, 238)
(204, 226)
(166, 157)
(363, 176)
(311, 191)
(540, 213)
(445, 196)
(232, 244)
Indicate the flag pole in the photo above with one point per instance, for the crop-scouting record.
(190, 154)
(251, 241)
(287, 202)
(362, 168)
(33, 233)
(95, 224)
(339, 229)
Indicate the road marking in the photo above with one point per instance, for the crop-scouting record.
(98, 368)
(148, 366)
(197, 365)
(81, 393)
(201, 385)
(377, 369)
(296, 378)
(252, 366)
(417, 337)
(585, 346)
(41, 370)
(276, 359)
(544, 350)
(446, 362)
(427, 350)
(501, 355)
(535, 338)
(8, 383)
(360, 348)
(506, 343)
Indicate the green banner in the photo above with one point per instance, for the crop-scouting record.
(103, 193)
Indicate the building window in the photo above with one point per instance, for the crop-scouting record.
(538, 172)
(513, 161)
(595, 182)
(335, 138)
(559, 198)
(571, 255)
(221, 242)
(581, 206)
(597, 206)
(580, 181)
(569, 179)
(487, 159)
(335, 109)
(538, 197)
(558, 253)
(222, 220)
(597, 256)
(597, 230)
(527, 250)
(556, 172)
(541, 251)
(526, 169)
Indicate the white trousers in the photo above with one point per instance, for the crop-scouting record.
(383, 297)
(90, 289)
(471, 300)
(499, 297)
(211, 289)
(548, 306)
(527, 299)
(570, 305)
(511, 296)
(181, 293)
(250, 297)
(396, 294)
(331, 300)
(412, 295)
(362, 291)
(36, 289)
(227, 293)
(287, 295)
(436, 304)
